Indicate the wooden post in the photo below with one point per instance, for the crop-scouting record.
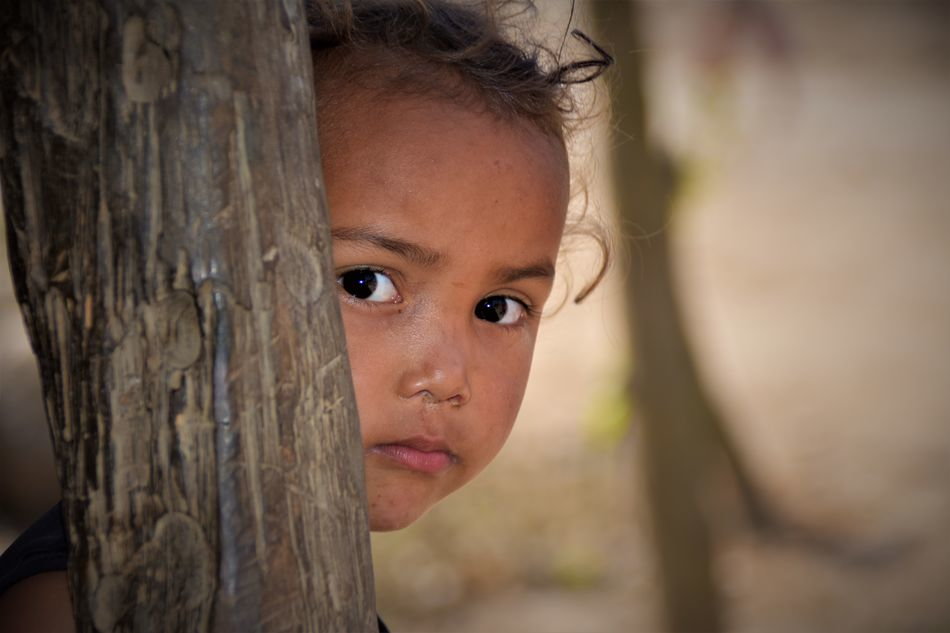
(169, 246)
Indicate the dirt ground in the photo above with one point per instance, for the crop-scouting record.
(812, 253)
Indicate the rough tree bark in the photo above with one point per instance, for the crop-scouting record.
(168, 241)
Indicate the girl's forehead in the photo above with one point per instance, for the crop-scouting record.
(391, 135)
(448, 174)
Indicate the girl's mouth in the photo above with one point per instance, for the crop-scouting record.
(418, 454)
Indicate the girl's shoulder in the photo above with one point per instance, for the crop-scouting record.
(34, 594)
(42, 548)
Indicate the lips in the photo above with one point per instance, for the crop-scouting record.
(419, 454)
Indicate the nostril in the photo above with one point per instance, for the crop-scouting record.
(428, 397)
(435, 385)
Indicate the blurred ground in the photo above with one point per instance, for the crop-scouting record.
(813, 259)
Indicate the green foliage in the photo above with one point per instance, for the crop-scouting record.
(609, 418)
(577, 568)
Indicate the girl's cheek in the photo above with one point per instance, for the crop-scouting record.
(507, 382)
(367, 348)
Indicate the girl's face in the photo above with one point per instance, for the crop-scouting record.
(446, 225)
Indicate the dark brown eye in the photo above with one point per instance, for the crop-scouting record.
(369, 285)
(499, 309)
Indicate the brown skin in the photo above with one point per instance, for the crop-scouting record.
(485, 201)
(40, 603)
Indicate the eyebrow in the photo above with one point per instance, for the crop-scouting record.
(544, 270)
(428, 257)
(413, 252)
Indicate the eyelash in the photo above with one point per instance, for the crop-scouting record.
(530, 311)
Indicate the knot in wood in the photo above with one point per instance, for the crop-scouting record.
(301, 269)
(146, 68)
(169, 578)
(184, 331)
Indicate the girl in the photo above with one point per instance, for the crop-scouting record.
(444, 155)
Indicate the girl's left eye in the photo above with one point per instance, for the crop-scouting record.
(367, 284)
(501, 310)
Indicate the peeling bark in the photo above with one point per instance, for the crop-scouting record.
(169, 246)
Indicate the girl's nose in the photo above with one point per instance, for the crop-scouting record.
(437, 374)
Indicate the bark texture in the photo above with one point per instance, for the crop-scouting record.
(169, 246)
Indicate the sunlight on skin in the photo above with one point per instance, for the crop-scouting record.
(439, 209)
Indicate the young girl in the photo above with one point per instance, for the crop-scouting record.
(444, 157)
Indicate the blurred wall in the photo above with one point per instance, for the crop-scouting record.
(814, 257)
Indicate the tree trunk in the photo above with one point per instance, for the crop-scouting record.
(169, 247)
(677, 421)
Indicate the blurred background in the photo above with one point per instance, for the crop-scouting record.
(804, 236)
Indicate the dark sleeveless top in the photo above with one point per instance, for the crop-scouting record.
(42, 548)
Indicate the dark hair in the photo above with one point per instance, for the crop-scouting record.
(468, 53)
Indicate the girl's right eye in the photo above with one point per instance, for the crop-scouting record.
(367, 284)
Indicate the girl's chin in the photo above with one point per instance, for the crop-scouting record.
(392, 519)
(392, 508)
(397, 497)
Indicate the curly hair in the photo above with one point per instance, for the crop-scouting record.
(470, 53)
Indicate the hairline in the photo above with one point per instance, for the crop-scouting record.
(382, 79)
